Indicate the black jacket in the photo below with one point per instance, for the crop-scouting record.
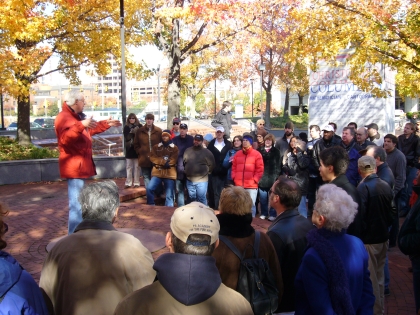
(130, 153)
(288, 235)
(271, 167)
(410, 147)
(385, 173)
(355, 228)
(376, 197)
(320, 146)
(409, 236)
(296, 166)
(219, 156)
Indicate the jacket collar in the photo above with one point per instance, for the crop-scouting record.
(285, 215)
(340, 180)
(369, 177)
(235, 225)
(95, 225)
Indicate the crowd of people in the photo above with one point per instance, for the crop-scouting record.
(334, 202)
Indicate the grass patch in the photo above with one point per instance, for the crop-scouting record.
(10, 150)
(300, 122)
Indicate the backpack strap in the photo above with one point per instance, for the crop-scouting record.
(232, 247)
(257, 243)
(235, 250)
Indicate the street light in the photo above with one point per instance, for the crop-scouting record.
(252, 98)
(262, 68)
(158, 74)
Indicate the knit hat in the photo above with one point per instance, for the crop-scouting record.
(195, 218)
(166, 132)
(208, 137)
(249, 138)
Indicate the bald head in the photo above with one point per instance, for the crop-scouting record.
(361, 135)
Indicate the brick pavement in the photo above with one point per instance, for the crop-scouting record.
(38, 214)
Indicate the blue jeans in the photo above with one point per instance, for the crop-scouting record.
(408, 189)
(74, 186)
(180, 187)
(197, 191)
(155, 184)
(147, 175)
(264, 195)
(253, 192)
(302, 207)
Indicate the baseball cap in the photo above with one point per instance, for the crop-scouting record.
(183, 126)
(176, 120)
(373, 126)
(220, 128)
(195, 218)
(198, 137)
(366, 163)
(328, 128)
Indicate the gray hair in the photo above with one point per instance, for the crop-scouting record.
(99, 201)
(378, 152)
(336, 205)
(71, 97)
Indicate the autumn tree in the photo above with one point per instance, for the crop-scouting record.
(183, 28)
(384, 32)
(78, 32)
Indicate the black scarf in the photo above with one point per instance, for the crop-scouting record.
(338, 283)
(235, 225)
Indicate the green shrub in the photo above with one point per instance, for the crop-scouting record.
(10, 150)
(300, 122)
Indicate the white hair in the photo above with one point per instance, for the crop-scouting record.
(337, 207)
(71, 97)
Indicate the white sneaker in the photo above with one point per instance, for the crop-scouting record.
(271, 218)
(262, 217)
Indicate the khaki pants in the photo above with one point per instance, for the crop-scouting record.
(377, 255)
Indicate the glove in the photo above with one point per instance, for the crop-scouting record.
(166, 166)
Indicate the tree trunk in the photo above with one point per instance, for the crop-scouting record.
(174, 82)
(300, 96)
(286, 104)
(268, 105)
(24, 130)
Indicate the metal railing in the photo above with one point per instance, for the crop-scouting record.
(246, 123)
(105, 142)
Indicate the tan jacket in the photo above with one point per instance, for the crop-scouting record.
(155, 300)
(143, 146)
(92, 270)
(159, 155)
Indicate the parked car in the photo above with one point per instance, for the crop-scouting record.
(163, 118)
(33, 126)
(45, 122)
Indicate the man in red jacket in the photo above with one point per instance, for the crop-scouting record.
(74, 131)
(247, 169)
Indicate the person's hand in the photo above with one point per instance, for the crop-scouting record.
(166, 165)
(113, 122)
(89, 123)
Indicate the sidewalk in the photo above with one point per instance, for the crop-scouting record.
(39, 212)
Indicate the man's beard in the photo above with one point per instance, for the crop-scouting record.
(287, 133)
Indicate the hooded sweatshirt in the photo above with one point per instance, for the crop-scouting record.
(20, 293)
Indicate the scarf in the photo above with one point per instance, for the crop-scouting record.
(235, 225)
(246, 150)
(338, 283)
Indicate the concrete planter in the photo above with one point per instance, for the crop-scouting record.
(24, 171)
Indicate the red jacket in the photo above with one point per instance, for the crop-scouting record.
(75, 144)
(247, 168)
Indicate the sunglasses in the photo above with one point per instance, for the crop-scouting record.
(175, 124)
(262, 124)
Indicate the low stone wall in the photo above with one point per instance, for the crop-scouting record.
(24, 171)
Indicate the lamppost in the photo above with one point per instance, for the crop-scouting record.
(262, 68)
(252, 98)
(158, 74)
(215, 98)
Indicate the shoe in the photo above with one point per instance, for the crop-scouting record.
(271, 218)
(126, 186)
(387, 292)
(262, 217)
(136, 186)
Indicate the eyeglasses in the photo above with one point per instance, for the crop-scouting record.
(175, 124)
(359, 134)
